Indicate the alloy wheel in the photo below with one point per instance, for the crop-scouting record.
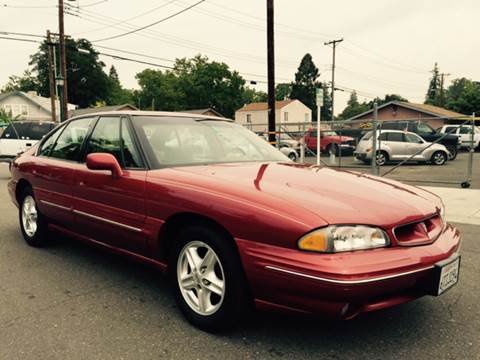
(29, 216)
(381, 159)
(439, 158)
(201, 278)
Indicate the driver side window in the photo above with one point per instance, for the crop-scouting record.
(411, 138)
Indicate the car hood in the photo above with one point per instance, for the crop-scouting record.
(334, 196)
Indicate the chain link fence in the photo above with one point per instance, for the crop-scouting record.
(434, 150)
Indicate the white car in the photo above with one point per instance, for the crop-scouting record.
(21, 135)
(464, 133)
(396, 145)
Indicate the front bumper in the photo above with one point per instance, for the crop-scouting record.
(345, 284)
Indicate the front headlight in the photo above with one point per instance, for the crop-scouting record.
(339, 238)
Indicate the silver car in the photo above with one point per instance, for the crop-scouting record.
(395, 145)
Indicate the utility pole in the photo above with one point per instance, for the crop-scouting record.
(63, 63)
(334, 45)
(271, 73)
(51, 77)
(442, 93)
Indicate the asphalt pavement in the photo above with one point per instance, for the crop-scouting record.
(72, 301)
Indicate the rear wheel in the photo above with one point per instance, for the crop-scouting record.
(32, 223)
(382, 158)
(207, 279)
(452, 151)
(292, 156)
(439, 158)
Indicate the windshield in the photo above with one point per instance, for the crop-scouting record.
(329, 133)
(174, 141)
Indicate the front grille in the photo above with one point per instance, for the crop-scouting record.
(419, 233)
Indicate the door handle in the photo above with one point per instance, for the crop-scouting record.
(28, 144)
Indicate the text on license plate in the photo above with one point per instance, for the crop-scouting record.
(448, 276)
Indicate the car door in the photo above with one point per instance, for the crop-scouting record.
(107, 209)
(396, 142)
(415, 145)
(465, 135)
(53, 170)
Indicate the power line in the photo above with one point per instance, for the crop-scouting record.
(129, 19)
(152, 24)
(19, 39)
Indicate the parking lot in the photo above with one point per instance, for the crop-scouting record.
(417, 173)
(71, 301)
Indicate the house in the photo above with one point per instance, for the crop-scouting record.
(398, 110)
(289, 114)
(207, 111)
(29, 106)
(78, 112)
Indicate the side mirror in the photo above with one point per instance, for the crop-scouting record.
(104, 161)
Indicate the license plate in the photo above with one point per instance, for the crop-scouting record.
(448, 272)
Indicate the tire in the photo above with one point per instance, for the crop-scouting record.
(220, 282)
(439, 158)
(333, 149)
(452, 151)
(33, 224)
(381, 158)
(292, 156)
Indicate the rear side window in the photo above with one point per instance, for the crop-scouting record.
(27, 130)
(451, 129)
(465, 130)
(16, 131)
(398, 137)
(70, 141)
(383, 137)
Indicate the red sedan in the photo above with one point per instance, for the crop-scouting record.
(231, 219)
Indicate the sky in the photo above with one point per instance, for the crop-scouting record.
(389, 46)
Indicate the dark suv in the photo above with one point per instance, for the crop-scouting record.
(426, 132)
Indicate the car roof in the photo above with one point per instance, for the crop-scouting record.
(153, 113)
(30, 122)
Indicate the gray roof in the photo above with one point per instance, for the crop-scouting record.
(38, 100)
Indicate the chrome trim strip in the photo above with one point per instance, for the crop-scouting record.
(128, 227)
(55, 205)
(348, 282)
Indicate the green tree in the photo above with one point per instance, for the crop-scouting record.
(306, 82)
(463, 96)
(283, 91)
(388, 98)
(354, 107)
(117, 94)
(87, 82)
(252, 96)
(433, 91)
(160, 89)
(26, 82)
(326, 112)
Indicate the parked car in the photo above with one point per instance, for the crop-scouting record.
(20, 135)
(231, 220)
(463, 132)
(288, 146)
(330, 142)
(426, 132)
(394, 145)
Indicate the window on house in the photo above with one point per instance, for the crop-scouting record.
(285, 116)
(8, 108)
(249, 118)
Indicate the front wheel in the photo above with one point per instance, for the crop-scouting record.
(292, 156)
(439, 158)
(207, 279)
(32, 223)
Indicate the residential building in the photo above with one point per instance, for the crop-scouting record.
(78, 112)
(29, 106)
(290, 115)
(435, 116)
